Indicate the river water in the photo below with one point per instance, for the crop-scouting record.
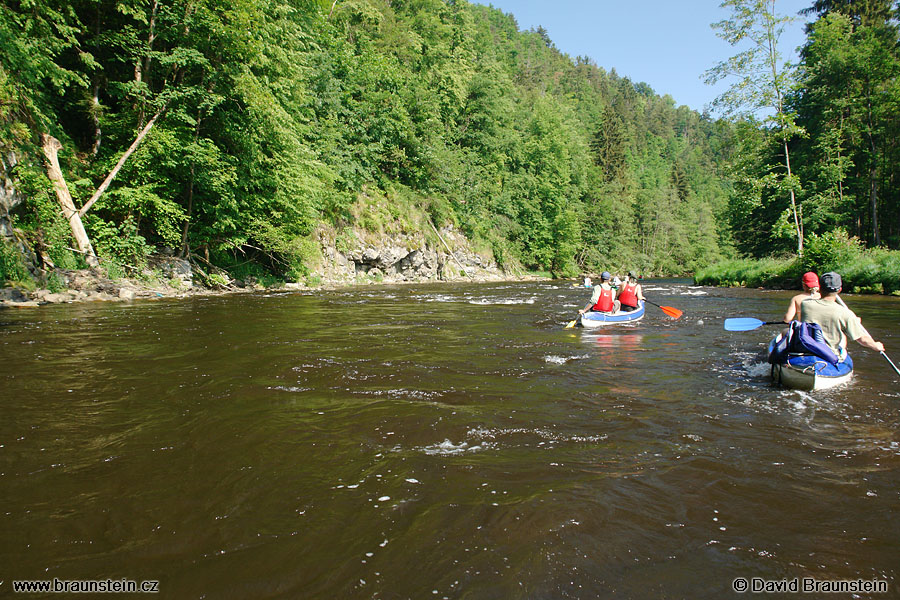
(439, 441)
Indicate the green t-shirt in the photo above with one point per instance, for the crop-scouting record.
(837, 323)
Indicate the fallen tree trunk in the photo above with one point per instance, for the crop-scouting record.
(453, 256)
(51, 147)
(87, 206)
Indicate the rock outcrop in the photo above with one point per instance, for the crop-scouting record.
(404, 258)
(9, 197)
(176, 270)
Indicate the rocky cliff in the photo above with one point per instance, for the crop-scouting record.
(359, 257)
(9, 197)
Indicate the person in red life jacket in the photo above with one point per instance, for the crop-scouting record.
(604, 297)
(810, 283)
(630, 294)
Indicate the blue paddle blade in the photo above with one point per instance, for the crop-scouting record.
(743, 324)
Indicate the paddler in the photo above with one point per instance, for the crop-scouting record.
(837, 322)
(810, 282)
(604, 297)
(630, 294)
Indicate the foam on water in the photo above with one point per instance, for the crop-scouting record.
(561, 360)
(487, 438)
(403, 393)
(799, 402)
(758, 369)
(544, 434)
(441, 298)
(448, 448)
(289, 388)
(501, 301)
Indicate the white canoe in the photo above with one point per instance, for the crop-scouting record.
(592, 320)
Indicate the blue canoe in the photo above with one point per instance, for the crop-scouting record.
(807, 372)
(591, 320)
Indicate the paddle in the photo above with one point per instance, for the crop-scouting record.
(672, 312)
(747, 324)
(573, 323)
(896, 370)
(886, 357)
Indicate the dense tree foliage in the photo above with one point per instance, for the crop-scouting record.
(845, 146)
(278, 115)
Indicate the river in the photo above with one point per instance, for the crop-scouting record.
(439, 441)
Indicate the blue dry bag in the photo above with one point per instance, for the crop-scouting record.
(802, 338)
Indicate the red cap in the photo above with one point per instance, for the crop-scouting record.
(810, 280)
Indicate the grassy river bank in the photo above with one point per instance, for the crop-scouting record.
(863, 270)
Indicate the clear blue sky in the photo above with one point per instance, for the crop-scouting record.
(665, 43)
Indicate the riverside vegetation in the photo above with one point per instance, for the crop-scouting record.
(867, 271)
(272, 140)
(280, 124)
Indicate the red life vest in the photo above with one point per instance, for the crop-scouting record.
(605, 302)
(628, 295)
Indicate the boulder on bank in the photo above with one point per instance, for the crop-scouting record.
(402, 257)
(173, 268)
(12, 295)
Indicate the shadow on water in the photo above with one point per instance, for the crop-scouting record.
(448, 441)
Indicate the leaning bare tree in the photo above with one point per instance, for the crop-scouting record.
(763, 79)
(51, 147)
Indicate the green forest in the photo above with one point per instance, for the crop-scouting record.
(247, 125)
